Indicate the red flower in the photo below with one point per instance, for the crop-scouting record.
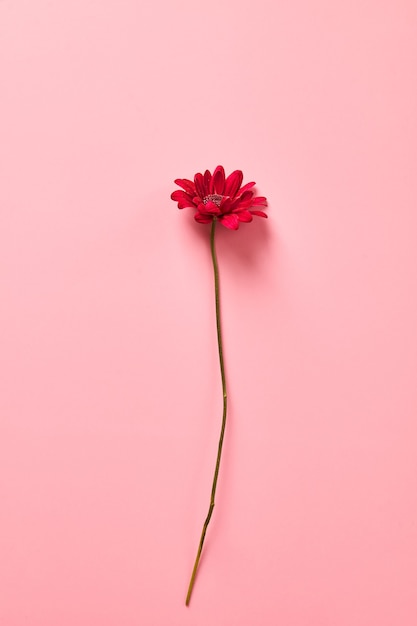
(215, 196)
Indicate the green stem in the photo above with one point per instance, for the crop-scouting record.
(223, 376)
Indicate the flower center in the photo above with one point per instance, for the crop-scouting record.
(213, 197)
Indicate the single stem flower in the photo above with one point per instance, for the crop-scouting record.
(217, 199)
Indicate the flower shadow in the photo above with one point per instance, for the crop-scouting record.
(245, 251)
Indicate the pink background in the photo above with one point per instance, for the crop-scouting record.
(110, 398)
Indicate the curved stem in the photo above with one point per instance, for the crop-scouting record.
(223, 377)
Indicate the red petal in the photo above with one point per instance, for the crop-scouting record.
(178, 194)
(186, 184)
(207, 183)
(230, 221)
(225, 205)
(244, 216)
(243, 202)
(259, 201)
(246, 195)
(259, 213)
(210, 208)
(202, 219)
(218, 180)
(247, 186)
(233, 183)
(199, 185)
(182, 198)
(239, 206)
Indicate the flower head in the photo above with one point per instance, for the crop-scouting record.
(216, 197)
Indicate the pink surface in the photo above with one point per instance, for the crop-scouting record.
(110, 400)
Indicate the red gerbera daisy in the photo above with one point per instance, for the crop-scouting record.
(217, 199)
(215, 196)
